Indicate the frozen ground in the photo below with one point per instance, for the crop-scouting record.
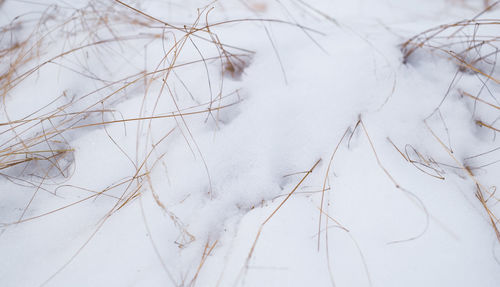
(249, 143)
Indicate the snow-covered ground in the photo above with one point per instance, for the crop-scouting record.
(249, 143)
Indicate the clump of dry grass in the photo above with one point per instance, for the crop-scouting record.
(473, 46)
(35, 149)
(41, 135)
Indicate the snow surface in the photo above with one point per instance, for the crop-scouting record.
(170, 200)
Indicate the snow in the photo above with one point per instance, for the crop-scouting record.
(185, 181)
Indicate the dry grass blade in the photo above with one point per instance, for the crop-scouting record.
(325, 182)
(411, 196)
(480, 100)
(261, 227)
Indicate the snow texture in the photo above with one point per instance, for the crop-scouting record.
(249, 143)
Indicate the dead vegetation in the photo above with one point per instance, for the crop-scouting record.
(35, 149)
(473, 46)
